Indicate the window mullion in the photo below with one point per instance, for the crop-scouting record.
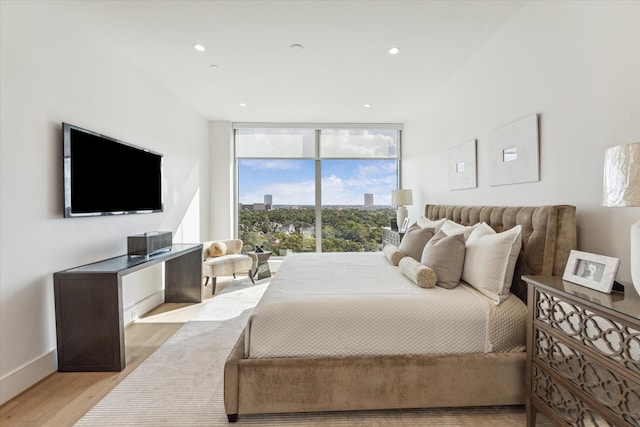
(318, 206)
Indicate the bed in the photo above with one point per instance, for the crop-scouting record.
(298, 372)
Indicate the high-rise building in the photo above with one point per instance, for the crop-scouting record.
(268, 199)
(368, 199)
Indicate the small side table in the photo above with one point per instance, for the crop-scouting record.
(391, 237)
(260, 264)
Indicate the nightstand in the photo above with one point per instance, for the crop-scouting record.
(391, 237)
(583, 354)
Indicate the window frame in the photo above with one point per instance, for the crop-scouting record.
(318, 128)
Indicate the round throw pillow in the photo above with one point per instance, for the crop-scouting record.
(217, 249)
(421, 275)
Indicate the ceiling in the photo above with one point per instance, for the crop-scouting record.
(248, 59)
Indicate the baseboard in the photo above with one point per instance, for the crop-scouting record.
(23, 378)
(134, 311)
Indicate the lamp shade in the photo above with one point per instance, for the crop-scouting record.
(621, 181)
(401, 197)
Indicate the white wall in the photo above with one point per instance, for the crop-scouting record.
(223, 222)
(50, 73)
(577, 64)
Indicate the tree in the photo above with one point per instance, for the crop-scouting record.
(343, 230)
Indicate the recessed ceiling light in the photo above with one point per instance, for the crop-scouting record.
(198, 47)
(297, 46)
(394, 51)
(242, 104)
(213, 66)
(367, 105)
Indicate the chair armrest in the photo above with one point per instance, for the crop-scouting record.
(234, 246)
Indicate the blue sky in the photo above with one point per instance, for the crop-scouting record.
(291, 182)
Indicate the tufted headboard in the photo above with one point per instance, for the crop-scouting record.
(548, 234)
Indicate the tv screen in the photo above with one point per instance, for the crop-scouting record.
(105, 176)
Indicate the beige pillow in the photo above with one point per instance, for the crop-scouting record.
(420, 274)
(451, 228)
(414, 240)
(445, 255)
(393, 254)
(217, 249)
(425, 222)
(490, 260)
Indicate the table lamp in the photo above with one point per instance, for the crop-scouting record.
(621, 188)
(402, 199)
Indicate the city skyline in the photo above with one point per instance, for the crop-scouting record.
(292, 181)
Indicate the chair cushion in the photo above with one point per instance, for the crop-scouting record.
(227, 265)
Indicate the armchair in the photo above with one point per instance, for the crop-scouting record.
(223, 258)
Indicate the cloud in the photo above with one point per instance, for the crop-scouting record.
(293, 193)
(338, 191)
(339, 188)
(379, 168)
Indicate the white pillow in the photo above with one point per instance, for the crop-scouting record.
(452, 228)
(490, 260)
(425, 222)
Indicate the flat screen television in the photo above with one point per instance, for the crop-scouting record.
(105, 176)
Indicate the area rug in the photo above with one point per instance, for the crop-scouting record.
(181, 383)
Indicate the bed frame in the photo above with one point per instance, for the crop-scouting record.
(283, 385)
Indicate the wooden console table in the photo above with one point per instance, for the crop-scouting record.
(89, 311)
(583, 354)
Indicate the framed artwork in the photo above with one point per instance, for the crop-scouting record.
(515, 152)
(591, 270)
(462, 166)
(405, 225)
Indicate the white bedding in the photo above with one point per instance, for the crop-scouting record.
(348, 304)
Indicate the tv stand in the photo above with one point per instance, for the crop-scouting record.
(89, 310)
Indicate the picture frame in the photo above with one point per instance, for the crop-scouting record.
(591, 270)
(515, 156)
(462, 166)
(405, 225)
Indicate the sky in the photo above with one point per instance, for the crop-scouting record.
(291, 182)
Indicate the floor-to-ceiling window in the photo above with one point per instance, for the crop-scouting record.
(315, 187)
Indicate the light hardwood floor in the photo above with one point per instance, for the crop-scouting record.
(62, 398)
